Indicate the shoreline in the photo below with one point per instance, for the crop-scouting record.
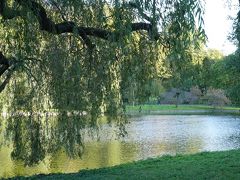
(204, 165)
(183, 112)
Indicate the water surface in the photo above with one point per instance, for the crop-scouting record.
(148, 136)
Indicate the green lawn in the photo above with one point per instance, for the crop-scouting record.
(180, 107)
(208, 165)
(182, 110)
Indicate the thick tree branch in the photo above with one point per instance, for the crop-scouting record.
(6, 81)
(4, 64)
(48, 25)
(5, 68)
(2, 6)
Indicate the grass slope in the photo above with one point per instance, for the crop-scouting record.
(207, 165)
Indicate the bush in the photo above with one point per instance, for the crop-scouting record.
(216, 97)
(185, 97)
(169, 97)
(195, 91)
(193, 96)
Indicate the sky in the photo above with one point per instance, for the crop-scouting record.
(218, 25)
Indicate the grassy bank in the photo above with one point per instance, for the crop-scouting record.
(181, 109)
(208, 165)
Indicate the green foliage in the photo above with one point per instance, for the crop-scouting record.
(28, 146)
(34, 136)
(230, 77)
(82, 71)
(181, 109)
(197, 67)
(92, 73)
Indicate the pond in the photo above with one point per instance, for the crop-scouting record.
(147, 136)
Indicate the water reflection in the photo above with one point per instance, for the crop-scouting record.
(34, 137)
(32, 145)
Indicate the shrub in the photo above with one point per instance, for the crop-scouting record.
(216, 97)
(184, 97)
(169, 97)
(195, 91)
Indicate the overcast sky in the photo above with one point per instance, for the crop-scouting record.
(218, 26)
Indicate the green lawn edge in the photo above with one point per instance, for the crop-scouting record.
(181, 110)
(205, 165)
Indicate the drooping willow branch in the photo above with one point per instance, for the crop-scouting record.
(48, 25)
(140, 11)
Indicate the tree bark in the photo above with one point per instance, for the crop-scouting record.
(5, 68)
(4, 64)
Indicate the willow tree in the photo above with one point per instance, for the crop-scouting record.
(83, 54)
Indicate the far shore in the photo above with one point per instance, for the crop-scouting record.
(181, 110)
(145, 109)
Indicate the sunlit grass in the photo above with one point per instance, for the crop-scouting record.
(208, 165)
(180, 107)
(182, 110)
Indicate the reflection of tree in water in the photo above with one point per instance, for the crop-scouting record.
(35, 137)
(27, 137)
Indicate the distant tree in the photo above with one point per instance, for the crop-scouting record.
(195, 68)
(230, 77)
(231, 65)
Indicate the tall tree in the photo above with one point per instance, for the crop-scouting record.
(231, 65)
(82, 54)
